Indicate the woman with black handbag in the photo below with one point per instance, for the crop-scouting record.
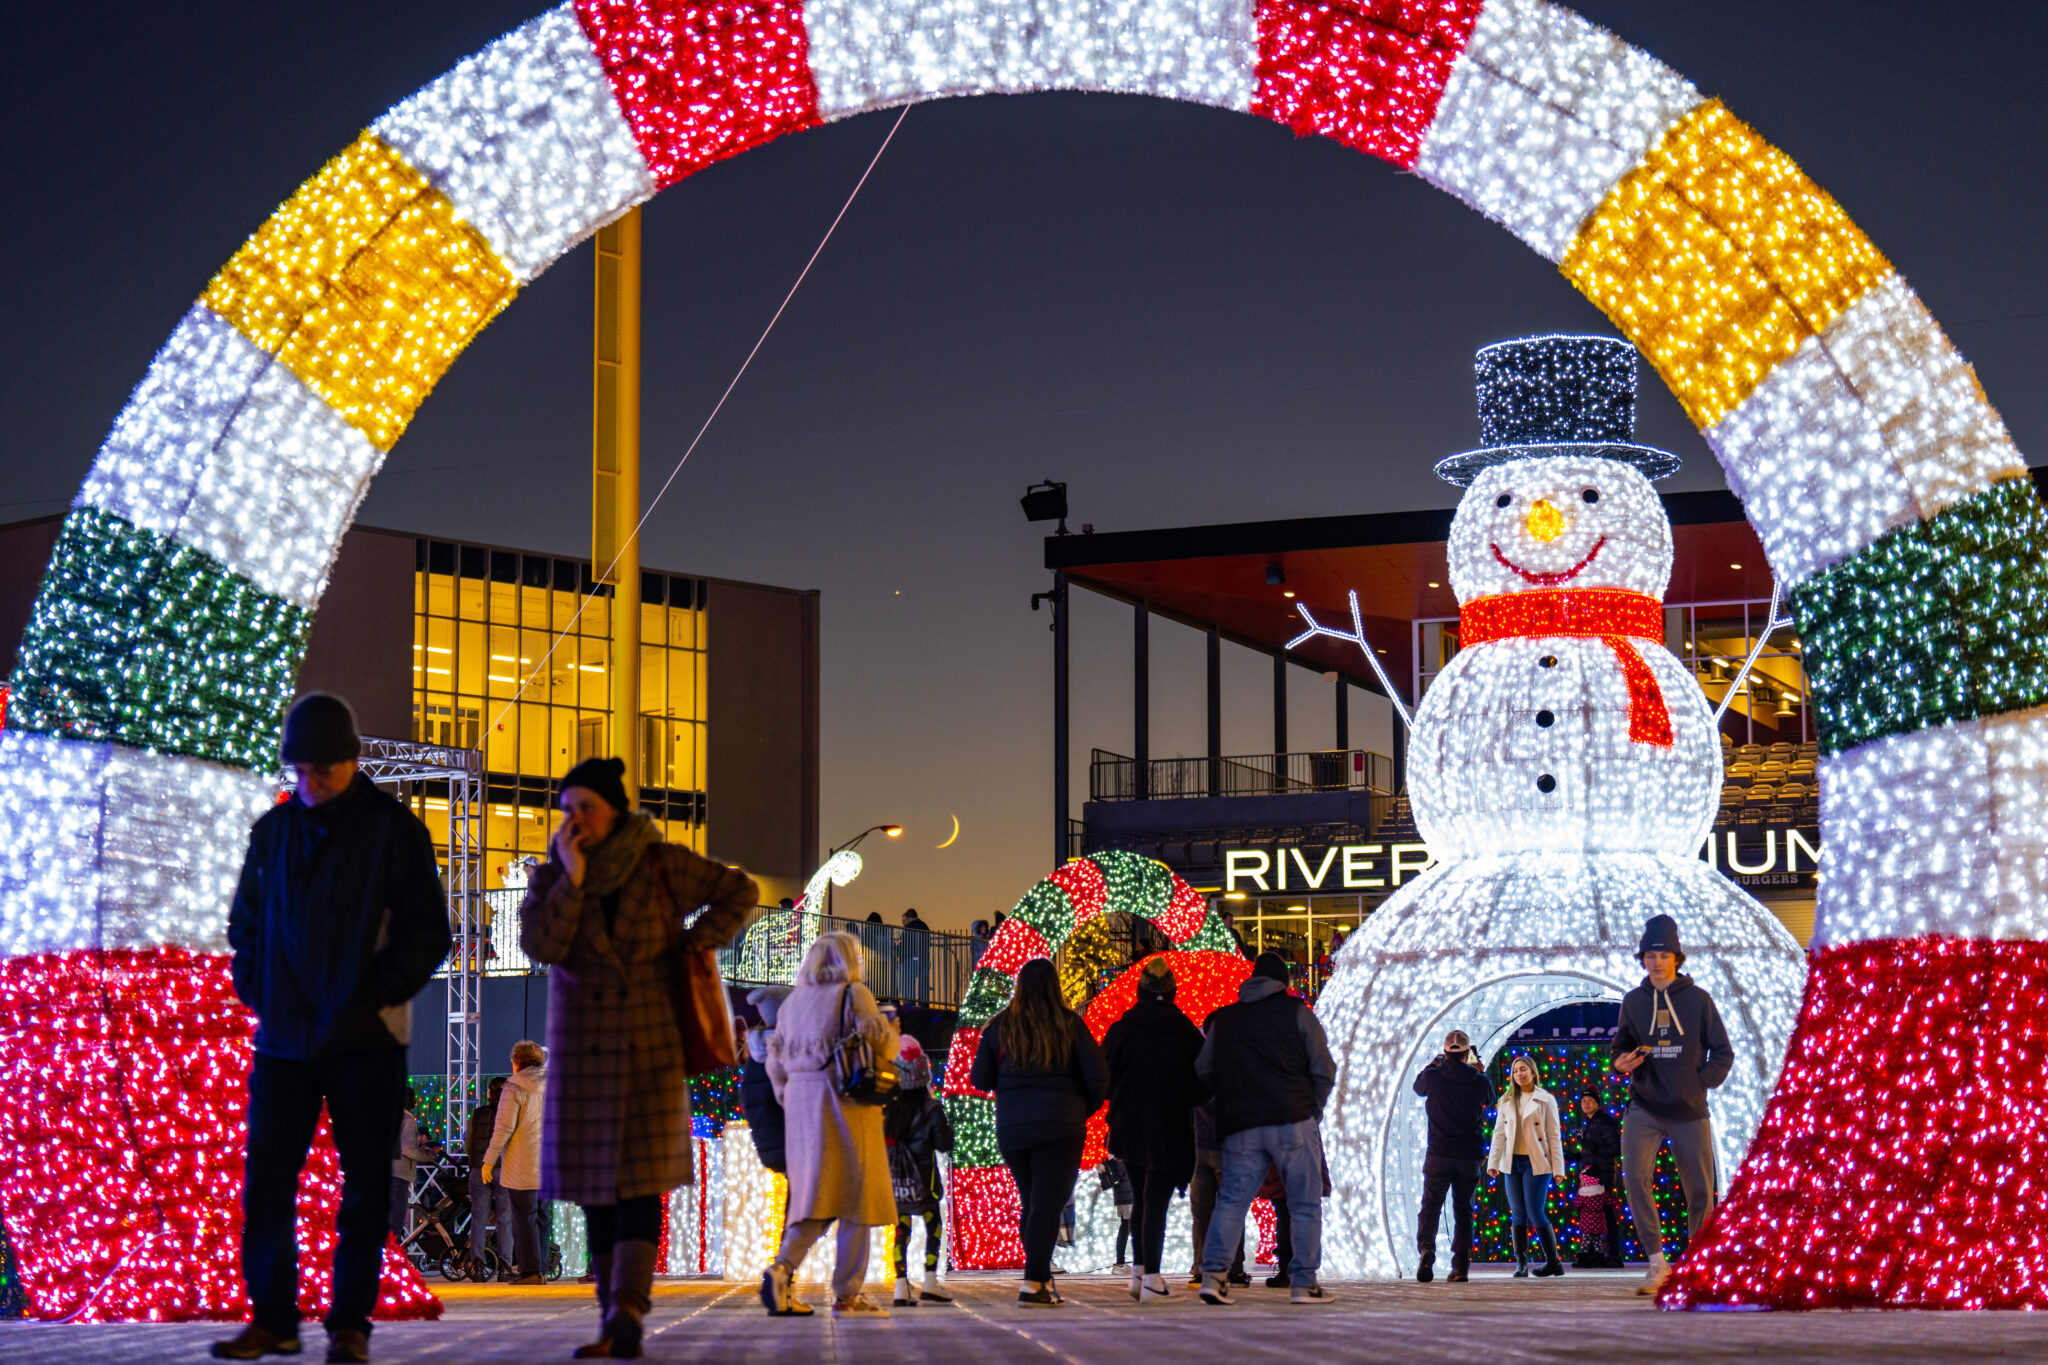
(832, 1062)
(1042, 1065)
(607, 913)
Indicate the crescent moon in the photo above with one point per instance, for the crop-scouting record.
(951, 837)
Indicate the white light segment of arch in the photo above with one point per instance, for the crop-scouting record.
(866, 54)
(109, 847)
(526, 141)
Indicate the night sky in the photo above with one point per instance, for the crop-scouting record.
(1188, 315)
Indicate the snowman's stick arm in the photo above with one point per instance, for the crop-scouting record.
(1356, 635)
(1773, 624)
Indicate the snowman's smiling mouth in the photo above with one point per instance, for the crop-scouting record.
(1550, 580)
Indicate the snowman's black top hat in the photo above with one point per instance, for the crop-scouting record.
(1556, 395)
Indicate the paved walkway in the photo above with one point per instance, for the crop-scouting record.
(1585, 1317)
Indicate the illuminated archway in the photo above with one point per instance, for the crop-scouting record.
(1885, 489)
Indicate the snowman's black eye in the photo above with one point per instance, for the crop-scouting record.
(1503, 500)
(1591, 495)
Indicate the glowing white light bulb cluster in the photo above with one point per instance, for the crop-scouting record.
(526, 141)
(1543, 114)
(1874, 424)
(1488, 943)
(231, 453)
(109, 847)
(1940, 832)
(696, 1211)
(866, 54)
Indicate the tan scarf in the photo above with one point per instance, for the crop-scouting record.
(609, 865)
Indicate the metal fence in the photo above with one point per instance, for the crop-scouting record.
(917, 967)
(1114, 777)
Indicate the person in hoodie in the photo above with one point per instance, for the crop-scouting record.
(757, 1092)
(514, 1156)
(1455, 1096)
(337, 922)
(1269, 1065)
(916, 1129)
(412, 1149)
(1673, 1049)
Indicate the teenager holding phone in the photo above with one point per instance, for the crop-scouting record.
(1673, 1049)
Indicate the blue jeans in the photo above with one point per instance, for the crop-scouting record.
(1295, 1150)
(484, 1202)
(1528, 1193)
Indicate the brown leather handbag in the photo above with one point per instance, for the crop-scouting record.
(703, 1014)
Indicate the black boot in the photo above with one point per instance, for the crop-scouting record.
(632, 1297)
(601, 1349)
(1551, 1265)
(1425, 1270)
(1461, 1269)
(1521, 1236)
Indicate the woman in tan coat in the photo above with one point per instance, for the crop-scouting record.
(838, 1164)
(606, 912)
(1528, 1150)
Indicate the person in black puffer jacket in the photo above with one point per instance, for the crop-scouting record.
(1042, 1064)
(757, 1092)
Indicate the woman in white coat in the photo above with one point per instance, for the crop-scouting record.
(838, 1163)
(1528, 1150)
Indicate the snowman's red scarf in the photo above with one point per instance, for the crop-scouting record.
(1612, 615)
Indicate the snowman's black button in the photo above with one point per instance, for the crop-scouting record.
(1546, 784)
(1548, 661)
(1545, 719)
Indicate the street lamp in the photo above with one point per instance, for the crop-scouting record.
(847, 868)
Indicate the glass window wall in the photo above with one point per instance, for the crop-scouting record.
(489, 672)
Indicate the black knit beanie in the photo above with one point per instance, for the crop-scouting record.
(320, 729)
(605, 776)
(1273, 967)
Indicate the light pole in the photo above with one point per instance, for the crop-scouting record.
(886, 831)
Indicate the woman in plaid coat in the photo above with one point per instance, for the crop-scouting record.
(606, 912)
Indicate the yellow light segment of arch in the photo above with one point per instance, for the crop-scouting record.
(1717, 256)
(366, 286)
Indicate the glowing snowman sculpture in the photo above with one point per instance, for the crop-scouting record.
(1564, 769)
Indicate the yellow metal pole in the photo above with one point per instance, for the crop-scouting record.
(615, 474)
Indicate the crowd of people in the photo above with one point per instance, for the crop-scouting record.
(338, 922)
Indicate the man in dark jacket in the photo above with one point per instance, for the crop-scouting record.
(1455, 1094)
(1269, 1065)
(337, 922)
(1673, 1049)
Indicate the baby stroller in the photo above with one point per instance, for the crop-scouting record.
(435, 1239)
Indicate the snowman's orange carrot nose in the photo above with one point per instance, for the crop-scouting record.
(1544, 522)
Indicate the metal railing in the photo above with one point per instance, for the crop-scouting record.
(1114, 777)
(917, 967)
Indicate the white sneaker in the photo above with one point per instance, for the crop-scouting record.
(1137, 1283)
(906, 1297)
(1155, 1287)
(1215, 1288)
(1660, 1271)
(932, 1293)
(1314, 1293)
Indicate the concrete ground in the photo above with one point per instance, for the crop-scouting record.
(1586, 1317)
